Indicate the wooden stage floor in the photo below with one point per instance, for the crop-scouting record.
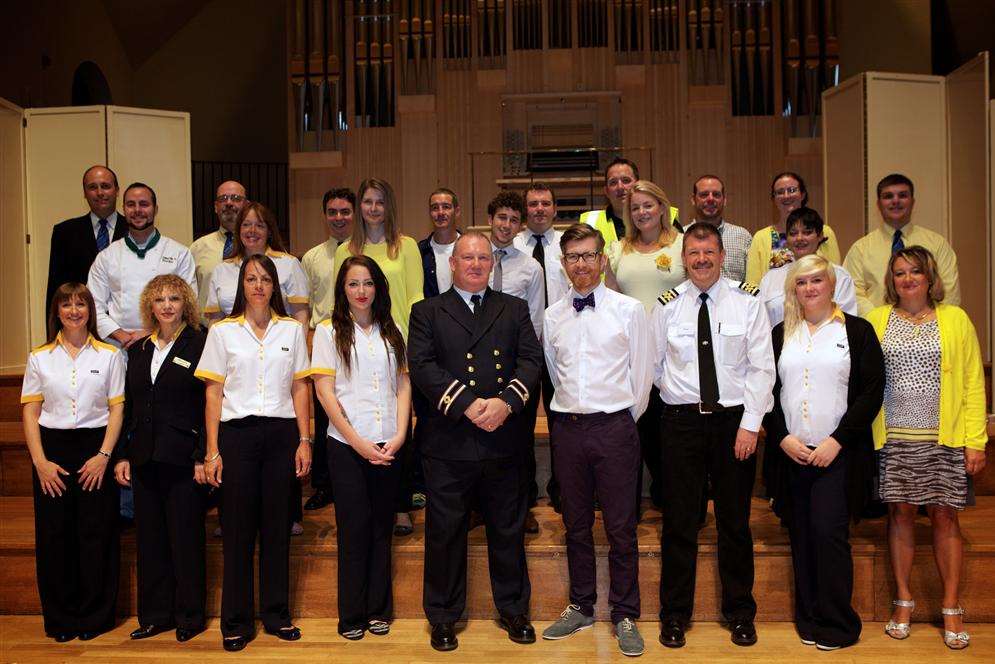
(22, 641)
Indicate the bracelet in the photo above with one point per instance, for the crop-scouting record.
(306, 439)
(213, 458)
(104, 454)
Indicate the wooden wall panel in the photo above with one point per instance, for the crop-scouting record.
(967, 151)
(756, 149)
(843, 161)
(420, 165)
(14, 340)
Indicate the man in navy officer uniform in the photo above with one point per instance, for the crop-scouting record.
(474, 354)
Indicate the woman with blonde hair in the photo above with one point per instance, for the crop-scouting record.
(162, 459)
(819, 463)
(73, 396)
(931, 433)
(645, 264)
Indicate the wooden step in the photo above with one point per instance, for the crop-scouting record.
(313, 567)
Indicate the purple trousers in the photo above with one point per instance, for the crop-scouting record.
(599, 452)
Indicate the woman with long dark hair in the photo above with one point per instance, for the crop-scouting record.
(257, 419)
(73, 396)
(361, 380)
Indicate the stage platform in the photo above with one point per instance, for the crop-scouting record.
(313, 567)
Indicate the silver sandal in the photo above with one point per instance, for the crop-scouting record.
(900, 630)
(955, 640)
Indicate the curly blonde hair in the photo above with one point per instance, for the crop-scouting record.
(168, 282)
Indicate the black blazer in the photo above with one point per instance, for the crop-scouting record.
(431, 287)
(165, 419)
(455, 357)
(864, 394)
(73, 251)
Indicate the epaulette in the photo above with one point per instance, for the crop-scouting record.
(747, 287)
(667, 297)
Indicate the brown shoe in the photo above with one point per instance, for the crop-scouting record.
(531, 525)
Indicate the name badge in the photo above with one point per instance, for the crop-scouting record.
(169, 259)
(95, 371)
(284, 349)
(180, 361)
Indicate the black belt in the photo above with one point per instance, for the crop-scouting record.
(702, 408)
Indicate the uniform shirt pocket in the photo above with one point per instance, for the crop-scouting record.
(681, 342)
(732, 343)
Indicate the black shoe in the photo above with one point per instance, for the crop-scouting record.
(444, 637)
(62, 637)
(145, 631)
(291, 633)
(89, 636)
(320, 498)
(672, 634)
(519, 628)
(183, 634)
(743, 632)
(531, 525)
(234, 643)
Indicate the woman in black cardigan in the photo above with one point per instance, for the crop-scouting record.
(819, 458)
(163, 460)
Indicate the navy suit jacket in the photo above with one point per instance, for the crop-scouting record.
(73, 251)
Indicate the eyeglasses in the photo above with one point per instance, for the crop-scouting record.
(786, 191)
(234, 198)
(589, 257)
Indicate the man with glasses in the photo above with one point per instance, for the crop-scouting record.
(212, 248)
(597, 398)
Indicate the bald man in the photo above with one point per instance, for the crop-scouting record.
(76, 242)
(211, 249)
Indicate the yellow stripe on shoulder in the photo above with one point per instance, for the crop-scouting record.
(273, 253)
(668, 297)
(750, 288)
(43, 348)
(103, 345)
(290, 318)
(327, 322)
(229, 319)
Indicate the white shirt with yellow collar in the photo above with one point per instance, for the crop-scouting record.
(224, 282)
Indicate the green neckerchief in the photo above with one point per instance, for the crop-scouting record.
(154, 240)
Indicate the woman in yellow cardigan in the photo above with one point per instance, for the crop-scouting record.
(931, 431)
(769, 247)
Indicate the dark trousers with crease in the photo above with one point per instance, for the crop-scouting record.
(364, 516)
(530, 415)
(599, 452)
(693, 445)
(169, 532)
(499, 489)
(257, 454)
(77, 544)
(820, 552)
(648, 426)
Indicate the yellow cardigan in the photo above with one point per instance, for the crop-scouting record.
(758, 258)
(963, 421)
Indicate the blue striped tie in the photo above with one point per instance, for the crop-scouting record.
(228, 245)
(103, 237)
(897, 244)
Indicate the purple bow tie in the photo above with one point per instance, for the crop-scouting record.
(581, 302)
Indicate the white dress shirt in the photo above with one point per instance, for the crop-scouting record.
(111, 224)
(75, 393)
(367, 392)
(224, 283)
(466, 295)
(443, 273)
(599, 359)
(772, 292)
(257, 373)
(159, 355)
(814, 369)
(744, 357)
(557, 283)
(521, 277)
(118, 276)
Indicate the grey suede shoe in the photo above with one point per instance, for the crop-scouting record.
(629, 640)
(570, 621)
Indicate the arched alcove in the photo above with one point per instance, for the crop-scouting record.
(90, 86)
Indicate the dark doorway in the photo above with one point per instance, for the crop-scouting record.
(90, 87)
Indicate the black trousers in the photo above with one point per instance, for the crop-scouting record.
(77, 544)
(599, 452)
(499, 489)
(693, 445)
(529, 416)
(648, 426)
(321, 477)
(408, 461)
(820, 552)
(169, 531)
(364, 516)
(257, 454)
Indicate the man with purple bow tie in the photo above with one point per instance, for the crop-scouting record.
(597, 399)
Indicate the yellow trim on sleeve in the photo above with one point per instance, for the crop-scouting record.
(113, 401)
(322, 371)
(31, 398)
(302, 374)
(203, 374)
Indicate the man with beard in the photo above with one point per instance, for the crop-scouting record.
(444, 210)
(715, 371)
(338, 206)
(76, 242)
(121, 271)
(473, 353)
(708, 197)
(212, 248)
